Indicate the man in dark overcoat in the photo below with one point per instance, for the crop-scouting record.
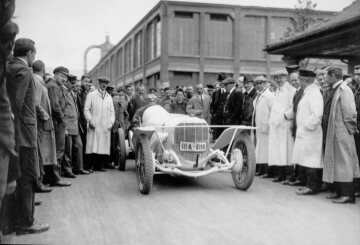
(21, 89)
(233, 103)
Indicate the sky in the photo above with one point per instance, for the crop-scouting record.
(63, 29)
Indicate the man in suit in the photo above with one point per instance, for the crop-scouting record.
(199, 104)
(46, 133)
(341, 164)
(166, 100)
(9, 170)
(218, 99)
(249, 96)
(233, 103)
(72, 162)
(137, 101)
(21, 89)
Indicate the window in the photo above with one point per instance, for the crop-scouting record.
(219, 17)
(158, 37)
(150, 41)
(137, 49)
(179, 14)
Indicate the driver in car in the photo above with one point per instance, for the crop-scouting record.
(151, 100)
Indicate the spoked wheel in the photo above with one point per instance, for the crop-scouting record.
(144, 164)
(121, 150)
(243, 152)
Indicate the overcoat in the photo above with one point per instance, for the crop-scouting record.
(308, 142)
(340, 158)
(262, 107)
(232, 108)
(72, 113)
(199, 107)
(46, 133)
(281, 141)
(99, 111)
(247, 106)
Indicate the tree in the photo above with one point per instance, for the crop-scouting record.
(305, 16)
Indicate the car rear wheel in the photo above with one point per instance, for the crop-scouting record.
(144, 164)
(243, 174)
(121, 150)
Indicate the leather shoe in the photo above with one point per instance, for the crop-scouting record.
(38, 202)
(295, 183)
(70, 175)
(306, 191)
(333, 196)
(344, 199)
(286, 182)
(35, 228)
(43, 189)
(83, 172)
(357, 194)
(277, 179)
(265, 176)
(62, 183)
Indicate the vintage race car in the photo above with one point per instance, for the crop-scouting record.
(180, 145)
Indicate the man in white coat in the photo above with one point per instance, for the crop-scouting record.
(100, 115)
(281, 141)
(308, 142)
(262, 107)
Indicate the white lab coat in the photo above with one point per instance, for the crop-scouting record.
(99, 112)
(262, 108)
(308, 142)
(281, 141)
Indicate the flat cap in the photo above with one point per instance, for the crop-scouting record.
(357, 67)
(292, 68)
(260, 79)
(228, 80)
(210, 86)
(104, 79)
(307, 73)
(72, 77)
(248, 79)
(62, 70)
(279, 73)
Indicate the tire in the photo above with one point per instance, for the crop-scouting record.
(144, 164)
(121, 150)
(244, 177)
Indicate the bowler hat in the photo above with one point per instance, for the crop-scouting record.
(104, 79)
(292, 68)
(62, 70)
(72, 77)
(307, 73)
(221, 77)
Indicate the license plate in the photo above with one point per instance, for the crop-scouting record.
(194, 147)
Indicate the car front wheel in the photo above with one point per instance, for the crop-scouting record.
(144, 165)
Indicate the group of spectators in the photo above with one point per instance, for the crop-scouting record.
(55, 126)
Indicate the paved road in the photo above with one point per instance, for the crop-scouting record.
(106, 208)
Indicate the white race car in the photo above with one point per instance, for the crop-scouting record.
(178, 144)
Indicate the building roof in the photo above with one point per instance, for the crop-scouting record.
(341, 32)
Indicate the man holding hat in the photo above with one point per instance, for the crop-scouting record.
(341, 164)
(249, 96)
(100, 114)
(281, 141)
(262, 107)
(357, 136)
(21, 90)
(308, 142)
(233, 103)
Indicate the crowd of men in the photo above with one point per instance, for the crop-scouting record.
(55, 126)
